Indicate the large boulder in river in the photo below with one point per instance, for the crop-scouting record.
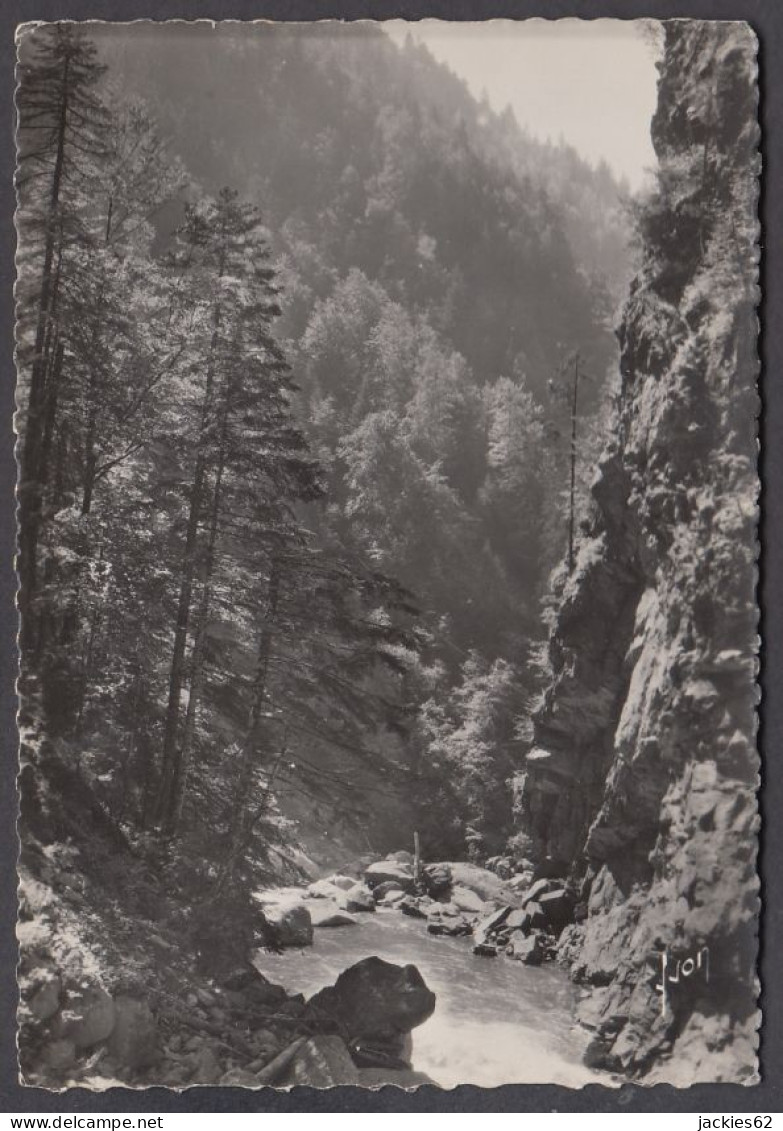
(323, 889)
(290, 923)
(325, 913)
(374, 1001)
(484, 883)
(384, 871)
(466, 900)
(358, 898)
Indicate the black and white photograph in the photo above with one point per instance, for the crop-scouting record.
(387, 537)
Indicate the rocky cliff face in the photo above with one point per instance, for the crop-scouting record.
(641, 783)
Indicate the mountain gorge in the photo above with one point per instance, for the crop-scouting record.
(355, 517)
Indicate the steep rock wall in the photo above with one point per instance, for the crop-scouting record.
(641, 782)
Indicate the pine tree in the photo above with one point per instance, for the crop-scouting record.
(62, 135)
(243, 439)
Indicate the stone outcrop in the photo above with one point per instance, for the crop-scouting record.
(640, 784)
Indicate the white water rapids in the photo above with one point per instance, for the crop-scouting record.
(496, 1021)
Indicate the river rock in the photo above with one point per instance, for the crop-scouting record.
(88, 1017)
(46, 1000)
(558, 906)
(290, 922)
(518, 920)
(415, 908)
(385, 871)
(485, 950)
(484, 883)
(260, 995)
(522, 881)
(344, 883)
(325, 914)
(488, 925)
(322, 1061)
(134, 1039)
(324, 889)
(265, 1045)
(381, 890)
(207, 1069)
(242, 978)
(374, 999)
(443, 910)
(466, 900)
(538, 920)
(59, 1054)
(525, 948)
(358, 898)
(392, 899)
(437, 878)
(539, 888)
(450, 928)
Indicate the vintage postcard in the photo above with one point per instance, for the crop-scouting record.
(387, 534)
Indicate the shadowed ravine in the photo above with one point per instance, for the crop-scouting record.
(496, 1022)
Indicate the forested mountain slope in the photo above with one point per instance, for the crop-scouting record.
(432, 292)
(642, 778)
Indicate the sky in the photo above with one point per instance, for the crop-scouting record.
(591, 81)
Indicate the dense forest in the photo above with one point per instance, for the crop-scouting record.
(296, 453)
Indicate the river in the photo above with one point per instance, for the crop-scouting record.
(496, 1021)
